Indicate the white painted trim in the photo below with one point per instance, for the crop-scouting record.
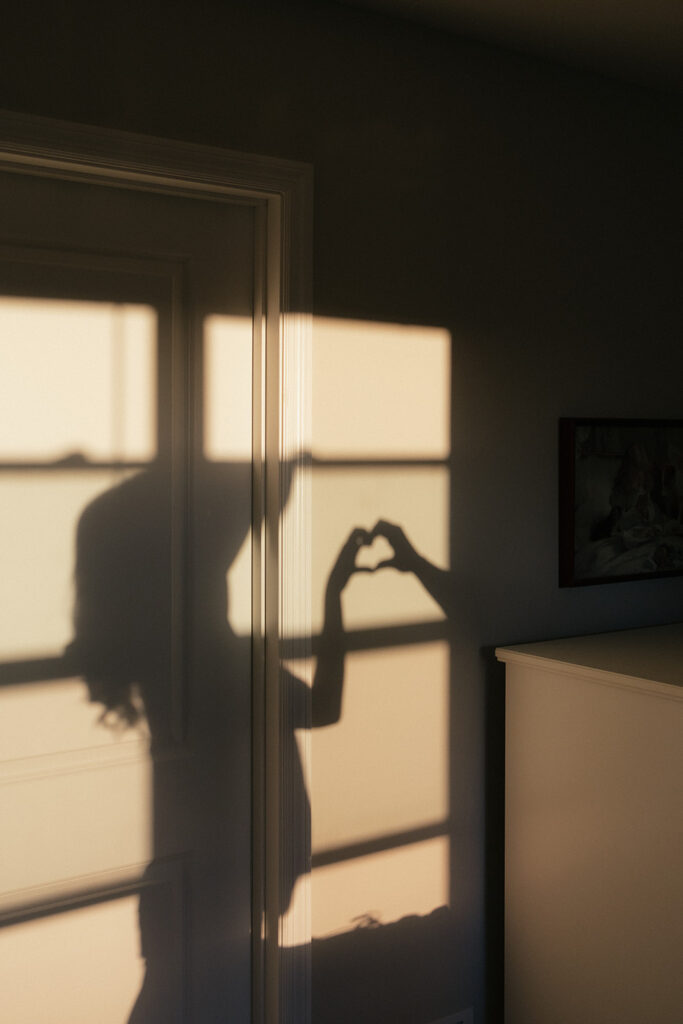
(667, 691)
(57, 149)
(65, 150)
(647, 659)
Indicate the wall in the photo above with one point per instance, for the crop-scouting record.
(527, 208)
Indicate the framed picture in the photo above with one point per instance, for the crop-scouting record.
(621, 500)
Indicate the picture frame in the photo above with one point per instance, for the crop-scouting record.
(620, 500)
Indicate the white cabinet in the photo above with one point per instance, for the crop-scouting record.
(594, 829)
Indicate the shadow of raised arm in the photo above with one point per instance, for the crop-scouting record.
(329, 673)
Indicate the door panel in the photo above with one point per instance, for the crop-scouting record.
(125, 499)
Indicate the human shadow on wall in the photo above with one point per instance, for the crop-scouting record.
(128, 585)
(153, 641)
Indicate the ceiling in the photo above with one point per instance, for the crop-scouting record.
(642, 37)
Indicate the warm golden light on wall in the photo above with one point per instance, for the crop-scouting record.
(373, 889)
(417, 498)
(72, 814)
(228, 429)
(379, 783)
(379, 786)
(81, 966)
(382, 768)
(80, 382)
(380, 888)
(228, 342)
(380, 390)
(79, 417)
(78, 378)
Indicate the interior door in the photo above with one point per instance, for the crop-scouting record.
(127, 323)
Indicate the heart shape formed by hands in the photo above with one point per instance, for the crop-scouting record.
(372, 554)
(366, 551)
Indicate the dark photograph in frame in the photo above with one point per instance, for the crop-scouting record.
(621, 500)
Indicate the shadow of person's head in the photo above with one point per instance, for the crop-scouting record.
(142, 547)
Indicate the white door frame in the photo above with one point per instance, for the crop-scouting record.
(281, 571)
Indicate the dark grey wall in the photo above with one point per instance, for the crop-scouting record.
(531, 209)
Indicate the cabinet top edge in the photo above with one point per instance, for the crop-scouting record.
(649, 658)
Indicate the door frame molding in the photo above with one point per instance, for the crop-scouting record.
(282, 371)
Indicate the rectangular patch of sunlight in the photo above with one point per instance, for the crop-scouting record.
(39, 515)
(383, 768)
(380, 887)
(417, 499)
(78, 378)
(228, 389)
(80, 966)
(74, 818)
(380, 390)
